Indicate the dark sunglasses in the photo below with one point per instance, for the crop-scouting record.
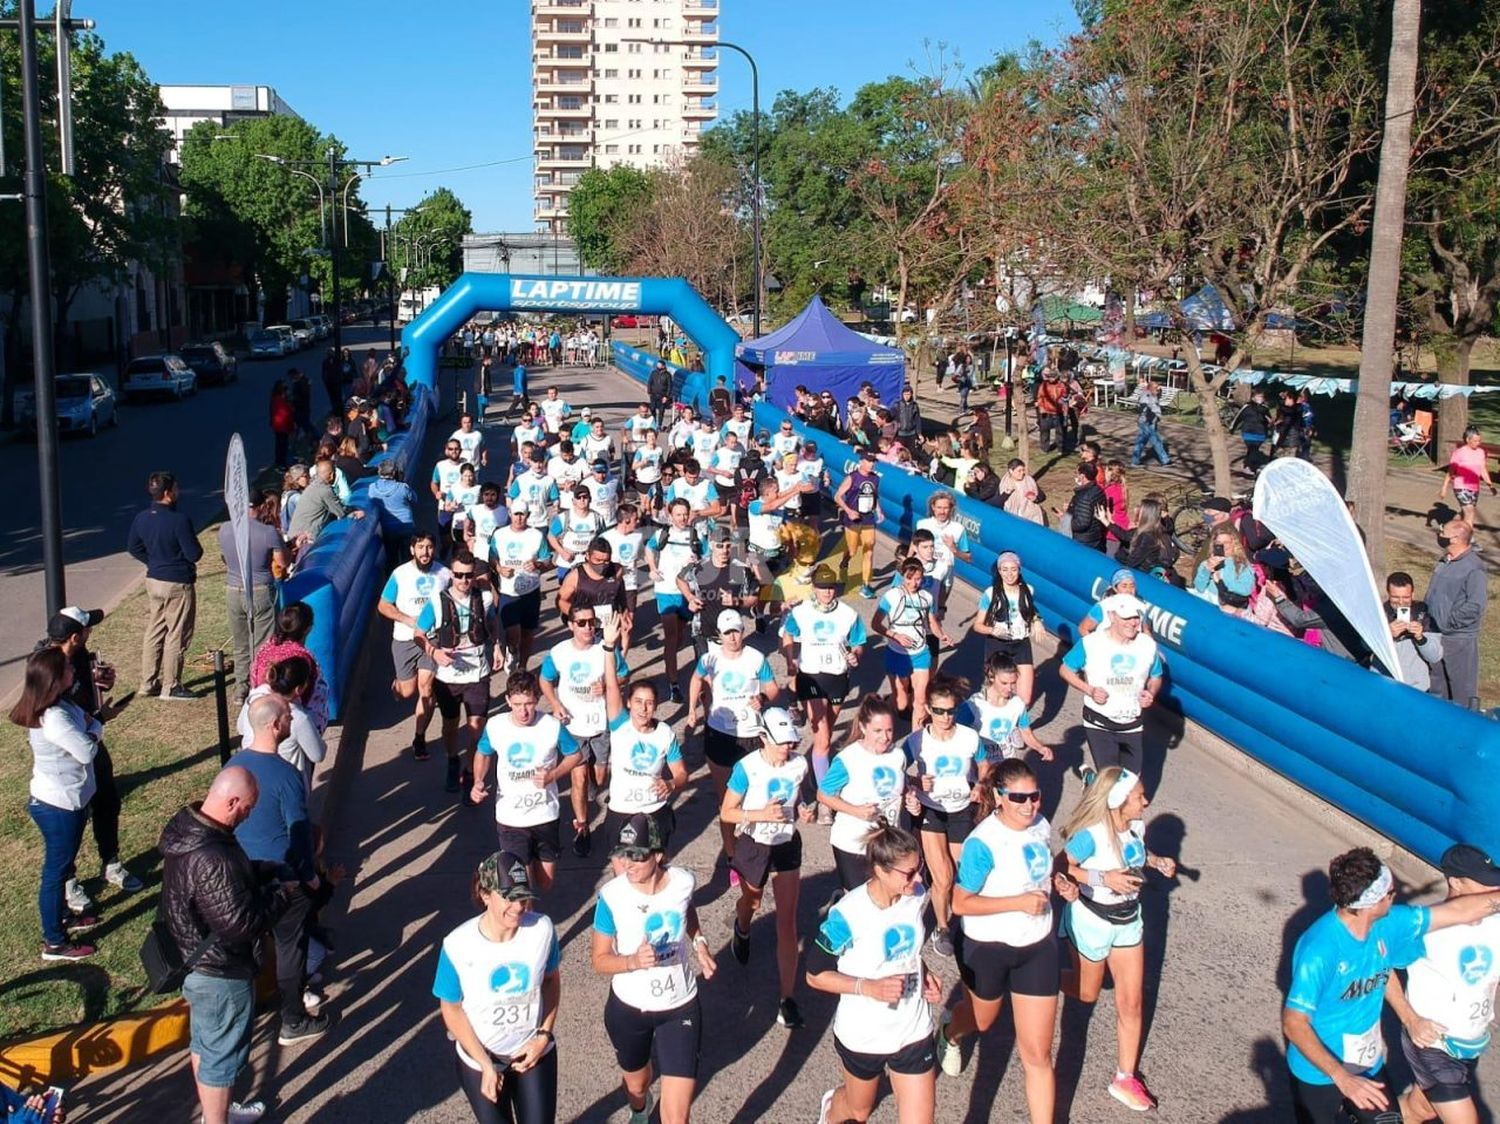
(461, 575)
(633, 854)
(944, 710)
(585, 622)
(1033, 797)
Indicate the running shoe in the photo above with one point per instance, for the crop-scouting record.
(304, 1029)
(643, 1115)
(81, 922)
(69, 950)
(419, 747)
(867, 591)
(455, 768)
(739, 945)
(1131, 1093)
(826, 1107)
(178, 694)
(950, 1054)
(77, 897)
(312, 1001)
(582, 844)
(941, 943)
(676, 694)
(788, 1015)
(245, 1112)
(116, 875)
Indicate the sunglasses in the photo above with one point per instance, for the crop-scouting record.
(461, 575)
(943, 710)
(1032, 797)
(633, 854)
(584, 622)
(906, 875)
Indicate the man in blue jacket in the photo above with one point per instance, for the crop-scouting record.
(162, 538)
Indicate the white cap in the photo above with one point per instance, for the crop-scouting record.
(587, 413)
(1123, 606)
(731, 621)
(779, 727)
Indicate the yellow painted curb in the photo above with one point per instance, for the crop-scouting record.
(68, 1055)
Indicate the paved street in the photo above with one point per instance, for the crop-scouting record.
(104, 485)
(1218, 938)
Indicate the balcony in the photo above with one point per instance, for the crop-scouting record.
(564, 136)
(700, 84)
(567, 9)
(701, 60)
(700, 109)
(563, 163)
(559, 112)
(700, 5)
(552, 84)
(568, 56)
(545, 33)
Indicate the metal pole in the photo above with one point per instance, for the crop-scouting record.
(333, 258)
(755, 224)
(34, 191)
(390, 276)
(1010, 386)
(221, 702)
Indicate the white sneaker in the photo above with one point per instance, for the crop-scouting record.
(244, 1113)
(826, 1106)
(644, 1115)
(116, 875)
(312, 1002)
(78, 898)
(950, 1054)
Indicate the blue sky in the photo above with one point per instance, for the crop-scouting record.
(448, 84)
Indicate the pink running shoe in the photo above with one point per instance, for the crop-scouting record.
(734, 879)
(1131, 1093)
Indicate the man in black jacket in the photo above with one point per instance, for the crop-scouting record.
(1082, 512)
(162, 538)
(659, 391)
(210, 889)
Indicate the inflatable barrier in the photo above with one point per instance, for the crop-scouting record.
(687, 386)
(1419, 770)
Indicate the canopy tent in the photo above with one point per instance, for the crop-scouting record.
(1206, 311)
(819, 351)
(1058, 310)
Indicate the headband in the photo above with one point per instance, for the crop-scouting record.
(1008, 556)
(1376, 891)
(1120, 790)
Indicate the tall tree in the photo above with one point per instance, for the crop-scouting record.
(439, 224)
(598, 208)
(1367, 463)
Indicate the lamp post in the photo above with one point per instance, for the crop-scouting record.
(387, 245)
(755, 224)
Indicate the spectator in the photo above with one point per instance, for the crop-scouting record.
(303, 748)
(908, 417)
(1148, 426)
(1148, 546)
(659, 391)
(1019, 493)
(330, 376)
(283, 423)
(1117, 491)
(210, 889)
(293, 624)
(1317, 610)
(1051, 406)
(982, 485)
(64, 741)
(1086, 510)
(319, 505)
(1288, 432)
(278, 832)
(1468, 468)
(349, 460)
(1418, 644)
(1254, 424)
(251, 618)
(1218, 513)
(162, 538)
(24, 1108)
(299, 394)
(393, 500)
(293, 483)
(1456, 598)
(1226, 577)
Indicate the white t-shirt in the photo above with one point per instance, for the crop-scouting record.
(521, 551)
(637, 759)
(579, 676)
(604, 497)
(734, 681)
(409, 588)
(761, 784)
(786, 482)
(445, 474)
(647, 462)
(596, 447)
(907, 615)
(471, 662)
(524, 433)
(499, 984)
(740, 427)
(553, 412)
(632, 918)
(952, 764)
(575, 531)
(943, 554)
(637, 425)
(765, 527)
(1008, 624)
(625, 549)
(1000, 862)
(1123, 670)
(471, 443)
(519, 751)
(998, 724)
(676, 549)
(486, 521)
(536, 492)
(725, 461)
(1454, 984)
(704, 442)
(566, 473)
(824, 639)
(783, 443)
(1092, 849)
(860, 777)
(872, 943)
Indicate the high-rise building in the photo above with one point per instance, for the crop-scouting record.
(617, 82)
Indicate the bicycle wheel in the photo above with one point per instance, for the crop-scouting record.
(1188, 527)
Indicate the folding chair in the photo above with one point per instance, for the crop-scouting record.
(1412, 441)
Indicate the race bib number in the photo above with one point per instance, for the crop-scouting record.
(865, 504)
(1365, 1051)
(1123, 707)
(513, 1015)
(525, 581)
(825, 657)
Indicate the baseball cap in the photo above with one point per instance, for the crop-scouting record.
(1216, 503)
(1464, 860)
(71, 621)
(731, 621)
(639, 835)
(721, 534)
(1123, 606)
(777, 725)
(867, 454)
(826, 576)
(587, 413)
(505, 874)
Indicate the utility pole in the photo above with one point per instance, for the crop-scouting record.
(333, 254)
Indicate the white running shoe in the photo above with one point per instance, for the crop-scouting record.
(827, 1106)
(78, 898)
(246, 1112)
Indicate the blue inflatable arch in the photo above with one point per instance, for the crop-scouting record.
(424, 337)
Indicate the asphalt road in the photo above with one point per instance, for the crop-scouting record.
(1218, 939)
(104, 485)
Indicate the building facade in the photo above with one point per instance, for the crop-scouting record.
(616, 82)
(188, 106)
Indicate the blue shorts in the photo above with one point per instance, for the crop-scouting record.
(220, 1013)
(1093, 936)
(901, 662)
(672, 603)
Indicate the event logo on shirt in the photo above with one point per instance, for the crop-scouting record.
(425, 584)
(663, 929)
(1474, 963)
(643, 757)
(883, 779)
(1134, 852)
(520, 755)
(1038, 860)
(1000, 728)
(823, 631)
(580, 675)
(900, 942)
(779, 790)
(733, 682)
(948, 765)
(1122, 663)
(511, 979)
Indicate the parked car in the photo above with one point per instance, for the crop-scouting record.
(631, 322)
(289, 344)
(158, 374)
(266, 345)
(85, 404)
(322, 325)
(304, 331)
(211, 362)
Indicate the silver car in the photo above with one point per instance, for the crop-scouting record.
(85, 404)
(158, 374)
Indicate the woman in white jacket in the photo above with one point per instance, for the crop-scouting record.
(304, 746)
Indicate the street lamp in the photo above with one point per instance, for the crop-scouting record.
(314, 180)
(387, 240)
(755, 230)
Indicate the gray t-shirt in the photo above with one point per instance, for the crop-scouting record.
(263, 540)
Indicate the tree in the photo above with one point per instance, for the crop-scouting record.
(597, 209)
(439, 224)
(1367, 465)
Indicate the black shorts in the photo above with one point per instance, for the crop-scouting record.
(954, 825)
(822, 685)
(524, 611)
(675, 1034)
(665, 817)
(914, 1059)
(853, 870)
(1324, 1104)
(755, 862)
(991, 970)
(474, 697)
(538, 843)
(725, 750)
(1018, 650)
(1438, 1073)
(1109, 747)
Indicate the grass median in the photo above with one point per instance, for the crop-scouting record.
(165, 754)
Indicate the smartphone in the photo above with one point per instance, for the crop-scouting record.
(51, 1104)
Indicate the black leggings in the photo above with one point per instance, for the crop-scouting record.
(853, 870)
(104, 808)
(525, 1098)
(1324, 1104)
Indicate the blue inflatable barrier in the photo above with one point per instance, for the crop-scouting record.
(1419, 770)
(687, 386)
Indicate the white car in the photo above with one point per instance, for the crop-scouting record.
(266, 345)
(322, 326)
(158, 374)
(289, 342)
(305, 332)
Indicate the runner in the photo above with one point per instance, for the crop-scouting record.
(996, 711)
(645, 468)
(711, 585)
(633, 431)
(572, 531)
(408, 589)
(597, 583)
(766, 517)
(484, 519)
(702, 497)
(604, 493)
(906, 616)
(733, 683)
(1122, 581)
(626, 545)
(554, 411)
(1450, 1000)
(538, 753)
(868, 952)
(669, 551)
(521, 556)
(1119, 670)
(498, 987)
(470, 441)
(597, 445)
(1008, 620)
(573, 683)
(530, 429)
(641, 750)
(865, 784)
(1341, 973)
(648, 941)
(952, 762)
(858, 500)
(951, 542)
(458, 631)
(769, 792)
(783, 441)
(1107, 857)
(565, 468)
(533, 492)
(1004, 939)
(822, 638)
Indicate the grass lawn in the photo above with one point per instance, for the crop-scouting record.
(1419, 564)
(165, 754)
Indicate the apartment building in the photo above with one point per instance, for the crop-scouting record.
(616, 82)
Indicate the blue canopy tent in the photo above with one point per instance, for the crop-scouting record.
(819, 351)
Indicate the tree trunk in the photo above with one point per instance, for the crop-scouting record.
(1452, 413)
(1213, 425)
(1129, 333)
(1370, 448)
